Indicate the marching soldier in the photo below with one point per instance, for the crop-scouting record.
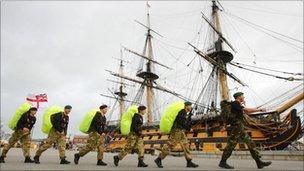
(134, 139)
(238, 133)
(96, 136)
(57, 134)
(177, 135)
(22, 133)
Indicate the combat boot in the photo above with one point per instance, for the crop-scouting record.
(64, 161)
(141, 163)
(28, 160)
(262, 164)
(116, 160)
(223, 164)
(2, 159)
(191, 164)
(101, 163)
(36, 159)
(158, 162)
(76, 158)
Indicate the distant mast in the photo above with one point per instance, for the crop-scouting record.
(121, 94)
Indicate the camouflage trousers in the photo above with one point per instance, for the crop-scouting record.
(134, 142)
(237, 134)
(177, 136)
(95, 141)
(25, 140)
(53, 137)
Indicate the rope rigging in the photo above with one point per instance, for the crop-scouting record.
(271, 75)
(262, 29)
(286, 95)
(283, 72)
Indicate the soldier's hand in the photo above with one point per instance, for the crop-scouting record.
(191, 130)
(223, 129)
(26, 129)
(262, 110)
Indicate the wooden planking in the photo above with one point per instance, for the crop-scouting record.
(201, 135)
(219, 134)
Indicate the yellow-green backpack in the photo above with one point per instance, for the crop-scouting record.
(46, 123)
(126, 120)
(169, 115)
(20, 111)
(87, 120)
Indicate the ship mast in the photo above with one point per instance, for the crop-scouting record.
(218, 44)
(121, 94)
(150, 94)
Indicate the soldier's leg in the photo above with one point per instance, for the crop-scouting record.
(140, 148)
(253, 151)
(251, 145)
(141, 152)
(48, 144)
(231, 143)
(185, 146)
(171, 143)
(100, 148)
(61, 146)
(11, 142)
(26, 144)
(128, 148)
(91, 144)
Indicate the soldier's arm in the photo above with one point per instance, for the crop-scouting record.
(32, 124)
(56, 122)
(23, 122)
(252, 110)
(137, 125)
(66, 129)
(181, 119)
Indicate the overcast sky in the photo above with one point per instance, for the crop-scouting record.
(63, 49)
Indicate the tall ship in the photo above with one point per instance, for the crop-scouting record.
(275, 129)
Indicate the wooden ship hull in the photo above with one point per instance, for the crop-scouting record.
(210, 138)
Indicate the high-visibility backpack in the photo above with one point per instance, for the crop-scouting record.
(87, 120)
(169, 115)
(25, 107)
(46, 123)
(126, 120)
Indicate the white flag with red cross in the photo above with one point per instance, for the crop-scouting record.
(36, 100)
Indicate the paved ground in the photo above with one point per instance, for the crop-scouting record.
(49, 161)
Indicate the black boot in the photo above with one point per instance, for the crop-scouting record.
(191, 164)
(64, 161)
(101, 163)
(141, 163)
(116, 160)
(2, 159)
(262, 164)
(223, 164)
(36, 159)
(158, 162)
(28, 160)
(76, 158)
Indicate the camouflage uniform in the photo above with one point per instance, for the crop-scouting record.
(134, 141)
(53, 137)
(95, 141)
(26, 121)
(25, 140)
(238, 133)
(177, 136)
